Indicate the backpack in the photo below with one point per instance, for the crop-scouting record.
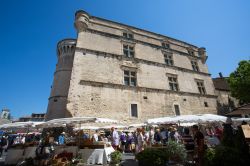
(3, 142)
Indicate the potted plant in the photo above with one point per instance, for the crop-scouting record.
(176, 152)
(152, 157)
(115, 157)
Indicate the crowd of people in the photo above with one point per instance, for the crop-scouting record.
(194, 138)
(9, 140)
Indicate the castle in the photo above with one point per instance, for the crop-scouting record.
(129, 74)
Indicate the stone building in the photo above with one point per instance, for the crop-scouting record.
(35, 117)
(225, 102)
(122, 72)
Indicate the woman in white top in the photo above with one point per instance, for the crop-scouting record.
(140, 140)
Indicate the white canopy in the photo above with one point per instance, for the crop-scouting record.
(74, 121)
(20, 124)
(87, 128)
(241, 119)
(137, 125)
(201, 118)
(115, 126)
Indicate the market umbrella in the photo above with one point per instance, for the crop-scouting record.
(74, 121)
(200, 118)
(20, 124)
(137, 125)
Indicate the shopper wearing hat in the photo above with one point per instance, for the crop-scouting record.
(61, 139)
(115, 138)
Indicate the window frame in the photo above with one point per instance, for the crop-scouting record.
(165, 45)
(195, 66)
(206, 104)
(128, 35)
(131, 110)
(201, 87)
(130, 52)
(130, 77)
(168, 59)
(173, 82)
(177, 111)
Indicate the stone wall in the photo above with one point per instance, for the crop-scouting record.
(112, 102)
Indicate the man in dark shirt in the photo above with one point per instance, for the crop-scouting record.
(187, 140)
(199, 142)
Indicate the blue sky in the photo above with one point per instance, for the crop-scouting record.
(30, 30)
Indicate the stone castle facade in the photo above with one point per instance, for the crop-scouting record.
(122, 72)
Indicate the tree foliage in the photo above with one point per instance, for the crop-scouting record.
(239, 82)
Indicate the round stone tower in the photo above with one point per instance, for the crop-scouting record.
(60, 88)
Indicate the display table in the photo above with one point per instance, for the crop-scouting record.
(69, 149)
(14, 156)
(96, 156)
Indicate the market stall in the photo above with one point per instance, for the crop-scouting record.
(93, 152)
(200, 118)
(22, 148)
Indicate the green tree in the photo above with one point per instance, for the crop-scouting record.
(239, 82)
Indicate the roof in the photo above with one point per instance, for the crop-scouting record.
(133, 27)
(244, 109)
(140, 29)
(221, 84)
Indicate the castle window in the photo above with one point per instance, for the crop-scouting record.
(165, 45)
(201, 87)
(134, 111)
(128, 35)
(129, 78)
(205, 104)
(173, 84)
(128, 51)
(194, 65)
(168, 59)
(191, 52)
(177, 110)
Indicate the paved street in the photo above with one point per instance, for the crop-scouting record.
(128, 159)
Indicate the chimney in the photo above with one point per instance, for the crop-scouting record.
(220, 74)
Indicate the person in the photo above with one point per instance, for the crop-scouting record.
(187, 140)
(218, 132)
(101, 137)
(3, 143)
(123, 139)
(23, 138)
(140, 140)
(114, 138)
(95, 136)
(85, 136)
(176, 135)
(151, 136)
(164, 136)
(200, 145)
(157, 136)
(172, 134)
(61, 139)
(130, 139)
(134, 141)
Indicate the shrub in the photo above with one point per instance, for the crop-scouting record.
(209, 156)
(152, 157)
(224, 156)
(116, 157)
(176, 151)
